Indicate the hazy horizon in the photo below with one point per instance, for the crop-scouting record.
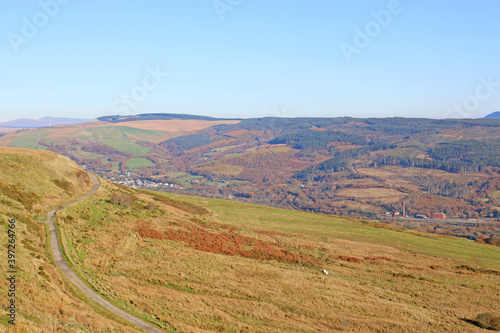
(91, 119)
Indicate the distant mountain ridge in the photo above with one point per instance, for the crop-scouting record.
(493, 115)
(158, 116)
(42, 122)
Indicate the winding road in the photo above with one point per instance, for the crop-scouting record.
(70, 274)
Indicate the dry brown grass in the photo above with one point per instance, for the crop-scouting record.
(173, 125)
(62, 132)
(46, 303)
(238, 133)
(383, 195)
(221, 169)
(401, 174)
(370, 287)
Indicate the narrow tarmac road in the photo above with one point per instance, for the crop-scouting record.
(70, 274)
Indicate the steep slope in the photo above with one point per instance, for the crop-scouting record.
(32, 182)
(196, 264)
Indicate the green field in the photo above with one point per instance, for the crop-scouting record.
(29, 139)
(138, 162)
(324, 227)
(120, 138)
(178, 174)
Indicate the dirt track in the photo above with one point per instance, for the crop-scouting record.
(70, 274)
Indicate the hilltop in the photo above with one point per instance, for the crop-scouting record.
(364, 168)
(493, 115)
(198, 264)
(158, 116)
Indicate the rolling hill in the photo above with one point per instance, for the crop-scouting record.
(345, 166)
(199, 264)
(493, 115)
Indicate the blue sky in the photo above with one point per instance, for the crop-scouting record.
(249, 58)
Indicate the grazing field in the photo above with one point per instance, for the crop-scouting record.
(29, 139)
(138, 162)
(116, 137)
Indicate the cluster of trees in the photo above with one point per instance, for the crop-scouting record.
(415, 162)
(341, 160)
(411, 126)
(318, 140)
(182, 143)
(278, 124)
(458, 157)
(334, 164)
(258, 166)
(469, 152)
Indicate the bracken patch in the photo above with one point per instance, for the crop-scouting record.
(145, 231)
(349, 259)
(232, 245)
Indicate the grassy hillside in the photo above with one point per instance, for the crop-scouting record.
(194, 264)
(32, 182)
(323, 227)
